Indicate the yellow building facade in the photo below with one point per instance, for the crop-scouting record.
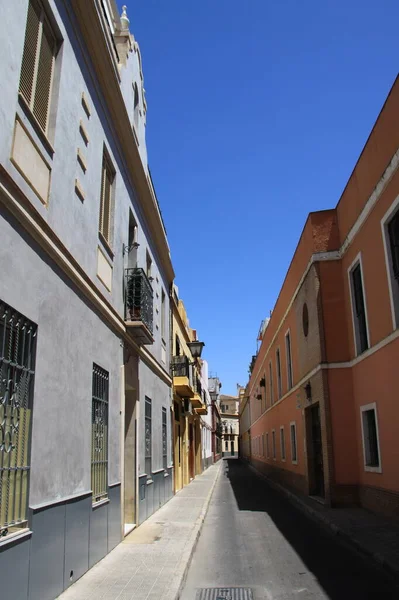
(188, 397)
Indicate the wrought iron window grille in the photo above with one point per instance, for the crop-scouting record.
(17, 369)
(99, 434)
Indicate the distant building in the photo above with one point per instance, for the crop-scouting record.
(319, 413)
(214, 387)
(189, 397)
(229, 415)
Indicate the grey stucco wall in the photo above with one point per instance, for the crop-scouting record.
(159, 393)
(76, 222)
(71, 336)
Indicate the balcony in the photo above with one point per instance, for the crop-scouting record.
(196, 400)
(182, 376)
(203, 410)
(138, 306)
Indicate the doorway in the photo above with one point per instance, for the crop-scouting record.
(232, 447)
(178, 448)
(191, 452)
(130, 460)
(316, 483)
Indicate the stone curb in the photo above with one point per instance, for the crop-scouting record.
(180, 575)
(381, 561)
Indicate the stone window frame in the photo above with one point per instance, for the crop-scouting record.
(290, 384)
(274, 444)
(358, 261)
(369, 468)
(282, 443)
(293, 427)
(393, 285)
(279, 374)
(271, 383)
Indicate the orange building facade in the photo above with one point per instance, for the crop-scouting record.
(321, 409)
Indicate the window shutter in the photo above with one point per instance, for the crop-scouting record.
(41, 103)
(105, 203)
(103, 176)
(393, 230)
(30, 52)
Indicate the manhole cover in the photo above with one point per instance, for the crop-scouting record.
(224, 594)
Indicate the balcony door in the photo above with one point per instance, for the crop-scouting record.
(132, 244)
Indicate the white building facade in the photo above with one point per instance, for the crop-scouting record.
(85, 392)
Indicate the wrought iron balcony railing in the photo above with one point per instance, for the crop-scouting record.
(138, 298)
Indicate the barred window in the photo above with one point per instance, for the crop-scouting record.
(107, 181)
(38, 63)
(99, 434)
(148, 437)
(17, 369)
(164, 440)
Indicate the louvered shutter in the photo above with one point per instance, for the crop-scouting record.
(103, 177)
(41, 103)
(30, 52)
(105, 204)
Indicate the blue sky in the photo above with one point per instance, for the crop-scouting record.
(257, 113)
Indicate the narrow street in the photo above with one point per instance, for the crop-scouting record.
(254, 538)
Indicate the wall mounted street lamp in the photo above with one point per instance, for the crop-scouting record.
(196, 348)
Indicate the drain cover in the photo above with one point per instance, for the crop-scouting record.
(224, 594)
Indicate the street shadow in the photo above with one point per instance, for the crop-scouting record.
(341, 571)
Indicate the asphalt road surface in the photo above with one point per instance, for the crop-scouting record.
(254, 538)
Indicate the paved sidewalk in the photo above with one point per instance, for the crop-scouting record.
(152, 561)
(373, 535)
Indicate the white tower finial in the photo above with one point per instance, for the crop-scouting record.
(124, 19)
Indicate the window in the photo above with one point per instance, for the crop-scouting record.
(163, 316)
(282, 443)
(164, 440)
(305, 320)
(274, 444)
(271, 383)
(371, 450)
(38, 64)
(226, 446)
(135, 105)
(289, 359)
(17, 369)
(278, 366)
(294, 457)
(99, 434)
(148, 437)
(358, 308)
(263, 444)
(267, 445)
(390, 225)
(177, 343)
(107, 184)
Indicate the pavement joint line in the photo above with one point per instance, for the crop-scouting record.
(180, 576)
(380, 560)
